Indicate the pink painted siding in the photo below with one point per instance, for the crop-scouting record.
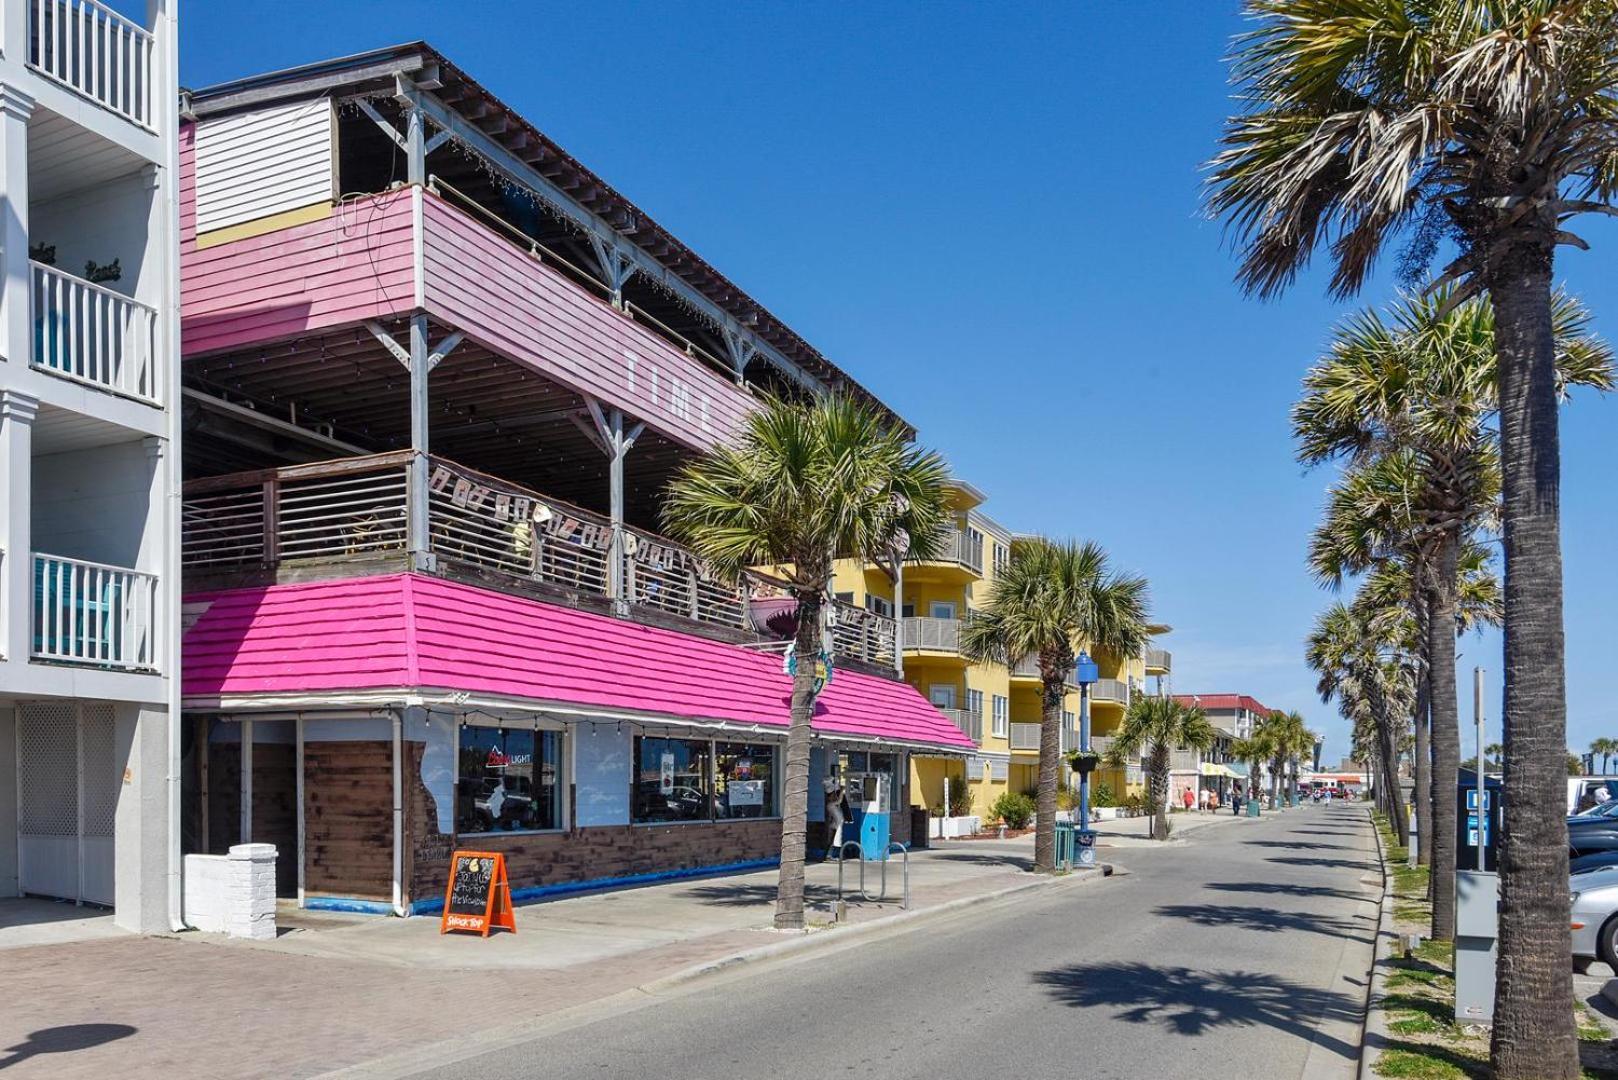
(508, 301)
(356, 264)
(414, 632)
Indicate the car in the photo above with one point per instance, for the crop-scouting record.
(1596, 860)
(1595, 915)
(1588, 835)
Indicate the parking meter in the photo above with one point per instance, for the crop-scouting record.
(869, 801)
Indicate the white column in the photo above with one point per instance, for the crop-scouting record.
(16, 524)
(16, 344)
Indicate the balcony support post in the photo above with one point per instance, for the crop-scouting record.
(611, 439)
(419, 533)
(898, 616)
(16, 296)
(16, 525)
(616, 270)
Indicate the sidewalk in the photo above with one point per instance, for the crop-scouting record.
(337, 990)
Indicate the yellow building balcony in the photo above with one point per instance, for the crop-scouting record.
(1024, 738)
(938, 637)
(959, 560)
(1158, 661)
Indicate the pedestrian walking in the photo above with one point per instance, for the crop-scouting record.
(1189, 800)
(836, 814)
(1202, 801)
(1236, 801)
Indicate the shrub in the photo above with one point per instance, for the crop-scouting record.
(1067, 798)
(1015, 809)
(960, 798)
(1101, 795)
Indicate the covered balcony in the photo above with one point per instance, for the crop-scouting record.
(89, 334)
(95, 615)
(1158, 661)
(97, 54)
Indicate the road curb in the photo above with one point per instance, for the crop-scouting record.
(451, 1051)
(1374, 1031)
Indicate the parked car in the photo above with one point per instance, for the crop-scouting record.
(1606, 809)
(1586, 835)
(1596, 860)
(1595, 915)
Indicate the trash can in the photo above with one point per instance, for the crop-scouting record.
(920, 827)
(1065, 844)
(1253, 808)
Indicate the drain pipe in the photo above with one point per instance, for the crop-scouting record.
(398, 812)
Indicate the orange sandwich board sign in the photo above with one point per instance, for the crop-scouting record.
(479, 896)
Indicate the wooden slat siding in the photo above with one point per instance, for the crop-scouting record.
(351, 634)
(188, 188)
(257, 164)
(354, 265)
(275, 800)
(348, 819)
(224, 796)
(612, 851)
(505, 300)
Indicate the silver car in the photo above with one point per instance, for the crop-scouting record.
(1595, 915)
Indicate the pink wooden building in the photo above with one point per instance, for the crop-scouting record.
(437, 375)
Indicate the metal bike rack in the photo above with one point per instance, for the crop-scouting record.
(882, 885)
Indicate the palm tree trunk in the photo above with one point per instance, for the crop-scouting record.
(1050, 753)
(1158, 790)
(795, 801)
(1275, 783)
(1533, 1024)
(1387, 751)
(1425, 806)
(1446, 735)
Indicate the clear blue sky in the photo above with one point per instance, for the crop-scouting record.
(990, 215)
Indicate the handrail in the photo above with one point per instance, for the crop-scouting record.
(91, 334)
(95, 52)
(93, 613)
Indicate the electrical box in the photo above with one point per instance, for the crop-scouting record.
(870, 800)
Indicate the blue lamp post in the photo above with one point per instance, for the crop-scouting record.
(1085, 672)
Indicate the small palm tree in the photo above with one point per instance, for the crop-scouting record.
(806, 483)
(1287, 738)
(1155, 727)
(1050, 598)
(1493, 754)
(1489, 125)
(1253, 752)
(1606, 748)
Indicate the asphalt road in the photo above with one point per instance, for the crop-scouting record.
(1241, 952)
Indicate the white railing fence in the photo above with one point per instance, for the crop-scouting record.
(93, 335)
(939, 635)
(94, 51)
(1111, 691)
(91, 613)
(968, 722)
(861, 633)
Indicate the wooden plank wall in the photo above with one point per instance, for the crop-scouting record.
(275, 802)
(506, 300)
(348, 819)
(224, 796)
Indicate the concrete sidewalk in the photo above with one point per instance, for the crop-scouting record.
(334, 991)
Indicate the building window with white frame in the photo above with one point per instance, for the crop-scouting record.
(1002, 717)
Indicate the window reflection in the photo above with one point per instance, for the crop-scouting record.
(507, 780)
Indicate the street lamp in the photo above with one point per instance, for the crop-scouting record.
(1085, 672)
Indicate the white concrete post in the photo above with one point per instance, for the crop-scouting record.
(250, 908)
(16, 525)
(16, 315)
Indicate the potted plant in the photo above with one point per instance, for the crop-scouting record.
(1084, 762)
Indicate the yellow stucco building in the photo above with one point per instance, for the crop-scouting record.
(998, 707)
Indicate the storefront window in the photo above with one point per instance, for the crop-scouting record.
(673, 781)
(744, 785)
(508, 780)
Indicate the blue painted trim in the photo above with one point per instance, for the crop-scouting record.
(540, 892)
(343, 903)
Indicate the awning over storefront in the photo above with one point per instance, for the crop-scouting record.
(387, 639)
(1213, 768)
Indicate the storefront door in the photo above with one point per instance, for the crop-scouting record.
(67, 797)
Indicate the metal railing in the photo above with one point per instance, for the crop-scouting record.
(935, 635)
(358, 507)
(96, 52)
(1025, 736)
(860, 633)
(1110, 691)
(968, 722)
(93, 335)
(961, 547)
(1159, 660)
(92, 613)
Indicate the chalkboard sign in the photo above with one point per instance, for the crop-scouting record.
(479, 896)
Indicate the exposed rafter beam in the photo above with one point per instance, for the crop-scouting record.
(525, 175)
(444, 348)
(376, 118)
(400, 353)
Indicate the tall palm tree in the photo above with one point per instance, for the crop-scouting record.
(1288, 740)
(1363, 668)
(1492, 755)
(803, 484)
(1409, 400)
(1606, 748)
(1488, 124)
(1253, 752)
(1051, 598)
(1155, 727)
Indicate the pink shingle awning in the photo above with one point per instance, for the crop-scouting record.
(413, 633)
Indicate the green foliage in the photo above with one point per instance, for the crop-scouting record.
(1014, 809)
(1101, 795)
(960, 798)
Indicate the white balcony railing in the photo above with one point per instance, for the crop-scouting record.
(1159, 660)
(860, 633)
(96, 52)
(91, 613)
(962, 547)
(1025, 737)
(934, 635)
(970, 723)
(93, 335)
(1110, 691)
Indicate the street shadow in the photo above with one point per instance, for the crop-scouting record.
(1266, 920)
(1011, 862)
(1303, 845)
(758, 894)
(64, 1040)
(1282, 888)
(1316, 860)
(1188, 1002)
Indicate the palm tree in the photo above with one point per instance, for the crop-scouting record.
(1050, 598)
(1289, 740)
(1492, 755)
(1155, 727)
(1606, 748)
(803, 484)
(1409, 401)
(1253, 752)
(1363, 668)
(1490, 124)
